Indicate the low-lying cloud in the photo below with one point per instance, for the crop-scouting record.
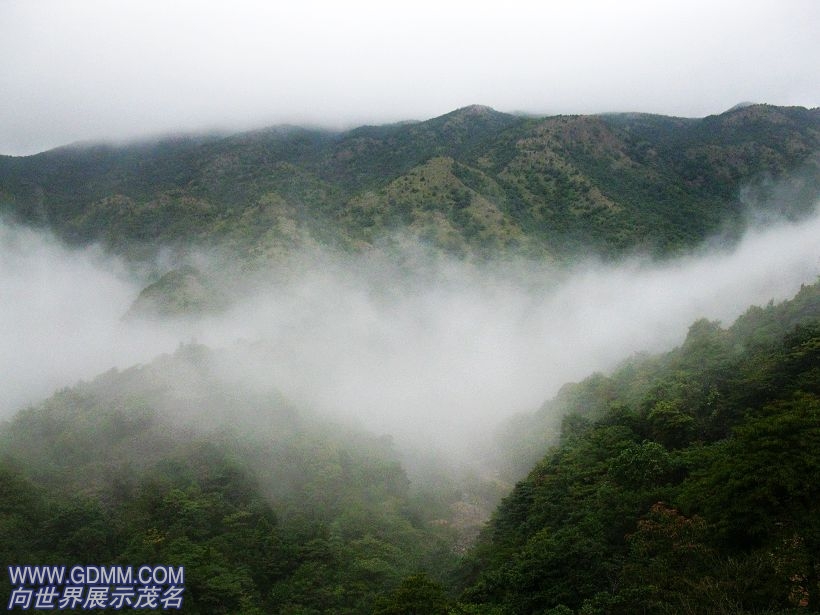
(434, 352)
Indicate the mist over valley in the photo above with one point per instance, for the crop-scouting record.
(482, 363)
(396, 308)
(426, 348)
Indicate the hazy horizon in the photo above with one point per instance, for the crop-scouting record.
(218, 132)
(84, 70)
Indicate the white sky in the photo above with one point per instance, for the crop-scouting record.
(112, 69)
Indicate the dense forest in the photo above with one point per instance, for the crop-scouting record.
(684, 481)
(268, 509)
(474, 182)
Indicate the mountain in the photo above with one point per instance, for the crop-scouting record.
(471, 182)
(686, 482)
(269, 508)
(682, 482)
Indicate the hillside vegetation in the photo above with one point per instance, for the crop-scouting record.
(683, 483)
(472, 182)
(270, 509)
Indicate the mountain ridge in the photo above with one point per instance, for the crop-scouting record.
(613, 183)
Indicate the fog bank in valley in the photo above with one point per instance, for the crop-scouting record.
(430, 350)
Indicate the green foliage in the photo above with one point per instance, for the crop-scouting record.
(641, 465)
(766, 475)
(670, 424)
(180, 292)
(417, 595)
(473, 182)
(685, 482)
(276, 513)
(703, 500)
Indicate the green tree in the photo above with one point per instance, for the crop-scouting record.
(417, 595)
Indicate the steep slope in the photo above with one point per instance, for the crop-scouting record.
(686, 482)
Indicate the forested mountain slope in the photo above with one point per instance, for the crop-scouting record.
(683, 483)
(472, 182)
(269, 509)
(686, 482)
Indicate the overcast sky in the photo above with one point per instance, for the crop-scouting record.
(103, 69)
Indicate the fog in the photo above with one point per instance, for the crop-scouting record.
(422, 347)
(88, 69)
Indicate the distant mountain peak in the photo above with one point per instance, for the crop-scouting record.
(473, 112)
(741, 105)
(476, 110)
